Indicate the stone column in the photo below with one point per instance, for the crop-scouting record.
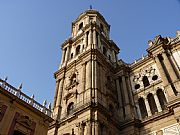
(169, 67)
(59, 98)
(88, 75)
(67, 54)
(125, 90)
(119, 98)
(128, 113)
(85, 40)
(63, 56)
(130, 91)
(96, 124)
(165, 95)
(90, 37)
(138, 110)
(96, 74)
(80, 129)
(148, 107)
(84, 81)
(88, 124)
(96, 79)
(94, 39)
(99, 41)
(162, 72)
(175, 63)
(157, 103)
(56, 93)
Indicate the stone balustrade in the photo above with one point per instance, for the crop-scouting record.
(29, 100)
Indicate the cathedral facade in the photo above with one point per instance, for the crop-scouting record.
(97, 94)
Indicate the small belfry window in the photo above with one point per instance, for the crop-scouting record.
(104, 51)
(145, 81)
(80, 26)
(77, 49)
(70, 108)
(101, 27)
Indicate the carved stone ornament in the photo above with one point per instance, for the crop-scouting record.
(25, 120)
(70, 95)
(3, 109)
(148, 71)
(73, 81)
(158, 40)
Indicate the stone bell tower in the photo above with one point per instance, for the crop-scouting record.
(86, 99)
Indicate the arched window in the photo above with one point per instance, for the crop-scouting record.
(73, 79)
(104, 51)
(70, 108)
(145, 81)
(101, 27)
(152, 103)
(80, 25)
(71, 55)
(162, 99)
(142, 107)
(77, 49)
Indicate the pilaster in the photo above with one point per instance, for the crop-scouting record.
(157, 103)
(147, 107)
(169, 68)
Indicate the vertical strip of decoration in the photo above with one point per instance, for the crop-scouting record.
(2, 112)
(13, 124)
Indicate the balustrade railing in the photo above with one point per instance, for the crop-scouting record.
(29, 100)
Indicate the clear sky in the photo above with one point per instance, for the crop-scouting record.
(31, 32)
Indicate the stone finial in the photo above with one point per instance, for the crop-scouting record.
(49, 106)
(32, 97)
(6, 79)
(20, 87)
(44, 103)
(142, 56)
(90, 7)
(150, 43)
(178, 33)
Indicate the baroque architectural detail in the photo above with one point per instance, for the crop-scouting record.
(97, 94)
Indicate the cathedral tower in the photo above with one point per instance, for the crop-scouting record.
(97, 94)
(86, 99)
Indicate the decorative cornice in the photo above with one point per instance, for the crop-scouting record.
(91, 12)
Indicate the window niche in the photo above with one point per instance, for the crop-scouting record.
(104, 51)
(142, 108)
(71, 55)
(70, 108)
(137, 86)
(145, 81)
(78, 49)
(101, 27)
(80, 26)
(155, 77)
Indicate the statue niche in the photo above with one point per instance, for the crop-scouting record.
(71, 86)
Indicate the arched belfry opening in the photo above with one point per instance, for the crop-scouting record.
(142, 108)
(70, 108)
(78, 49)
(162, 99)
(152, 103)
(145, 81)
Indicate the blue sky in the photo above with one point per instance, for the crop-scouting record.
(31, 32)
